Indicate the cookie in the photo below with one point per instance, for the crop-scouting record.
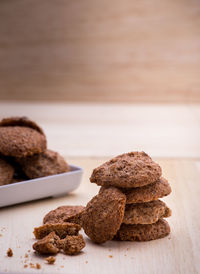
(72, 245)
(19, 141)
(103, 215)
(43, 164)
(148, 193)
(48, 245)
(62, 230)
(63, 214)
(146, 213)
(20, 121)
(140, 232)
(6, 172)
(134, 169)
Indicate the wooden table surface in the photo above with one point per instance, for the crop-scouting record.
(177, 253)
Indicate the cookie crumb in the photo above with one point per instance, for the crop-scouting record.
(86, 262)
(25, 266)
(9, 252)
(62, 266)
(29, 250)
(50, 260)
(1, 235)
(110, 256)
(38, 266)
(32, 265)
(26, 255)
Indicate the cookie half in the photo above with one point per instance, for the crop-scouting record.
(63, 214)
(72, 245)
(146, 213)
(134, 169)
(17, 141)
(62, 230)
(6, 172)
(48, 245)
(149, 232)
(148, 193)
(103, 215)
(43, 164)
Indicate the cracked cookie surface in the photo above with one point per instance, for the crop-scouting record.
(134, 169)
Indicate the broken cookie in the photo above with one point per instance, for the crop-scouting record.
(72, 245)
(48, 245)
(71, 214)
(62, 230)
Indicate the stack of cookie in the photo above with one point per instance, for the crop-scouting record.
(23, 152)
(127, 206)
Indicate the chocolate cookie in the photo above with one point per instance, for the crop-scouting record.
(63, 214)
(21, 122)
(6, 172)
(134, 169)
(43, 164)
(20, 141)
(103, 215)
(62, 230)
(148, 193)
(139, 232)
(146, 213)
(48, 245)
(72, 245)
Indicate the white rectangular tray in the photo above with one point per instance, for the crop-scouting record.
(49, 186)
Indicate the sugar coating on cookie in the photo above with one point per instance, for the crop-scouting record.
(6, 172)
(103, 215)
(134, 169)
(63, 214)
(22, 122)
(146, 213)
(140, 232)
(62, 230)
(19, 141)
(148, 193)
(72, 245)
(48, 245)
(44, 164)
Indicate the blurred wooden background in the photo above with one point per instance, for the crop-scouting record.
(108, 51)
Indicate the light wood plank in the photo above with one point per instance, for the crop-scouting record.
(104, 130)
(109, 51)
(178, 253)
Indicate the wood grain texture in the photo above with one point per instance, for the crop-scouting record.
(103, 130)
(109, 51)
(178, 253)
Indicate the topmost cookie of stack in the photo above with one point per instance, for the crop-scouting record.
(21, 137)
(133, 169)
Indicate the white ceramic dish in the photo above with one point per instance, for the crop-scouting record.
(50, 186)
